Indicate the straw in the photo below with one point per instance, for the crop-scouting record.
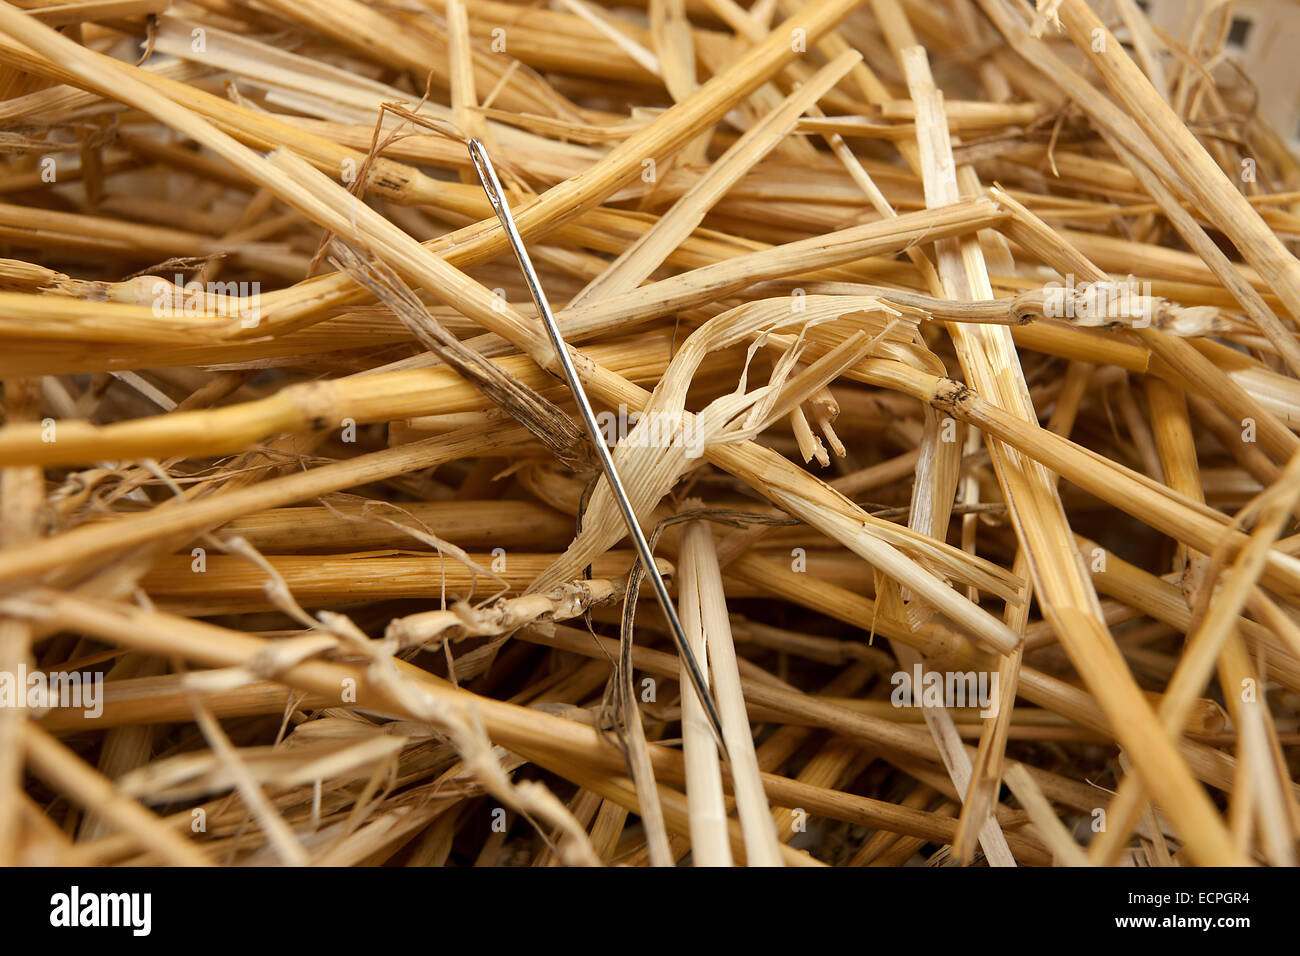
(938, 343)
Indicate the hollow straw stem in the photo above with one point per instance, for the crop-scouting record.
(704, 794)
(761, 845)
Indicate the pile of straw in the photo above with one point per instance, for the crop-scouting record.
(949, 345)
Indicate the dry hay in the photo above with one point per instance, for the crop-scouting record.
(997, 383)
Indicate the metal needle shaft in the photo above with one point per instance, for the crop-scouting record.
(492, 186)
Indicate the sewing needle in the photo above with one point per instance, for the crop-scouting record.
(492, 186)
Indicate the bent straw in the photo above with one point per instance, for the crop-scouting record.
(492, 186)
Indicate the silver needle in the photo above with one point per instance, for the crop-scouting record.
(492, 186)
